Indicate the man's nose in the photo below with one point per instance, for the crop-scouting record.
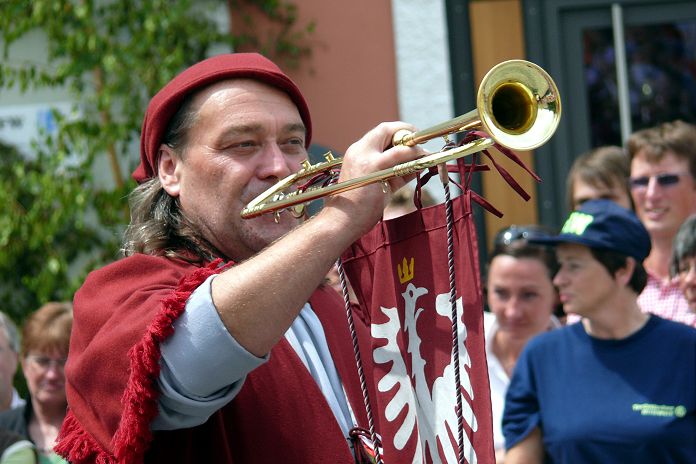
(275, 163)
(653, 189)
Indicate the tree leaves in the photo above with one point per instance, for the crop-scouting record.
(64, 205)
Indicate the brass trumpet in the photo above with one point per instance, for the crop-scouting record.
(517, 105)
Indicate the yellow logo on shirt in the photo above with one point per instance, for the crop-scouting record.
(659, 410)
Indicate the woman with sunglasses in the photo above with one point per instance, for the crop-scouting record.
(521, 300)
(620, 385)
(44, 348)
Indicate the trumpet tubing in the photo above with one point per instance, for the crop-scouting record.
(517, 105)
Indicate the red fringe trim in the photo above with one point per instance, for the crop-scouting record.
(78, 446)
(133, 436)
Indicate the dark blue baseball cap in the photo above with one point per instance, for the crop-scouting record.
(604, 225)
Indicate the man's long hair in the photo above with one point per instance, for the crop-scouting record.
(158, 225)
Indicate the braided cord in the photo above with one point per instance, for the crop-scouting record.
(359, 364)
(455, 322)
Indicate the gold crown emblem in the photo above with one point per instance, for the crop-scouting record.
(405, 270)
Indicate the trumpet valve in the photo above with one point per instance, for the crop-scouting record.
(403, 137)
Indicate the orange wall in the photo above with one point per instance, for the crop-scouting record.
(349, 79)
(497, 35)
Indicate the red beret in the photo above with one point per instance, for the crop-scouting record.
(168, 100)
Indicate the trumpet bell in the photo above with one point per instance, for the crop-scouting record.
(518, 105)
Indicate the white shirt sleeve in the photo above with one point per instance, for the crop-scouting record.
(202, 365)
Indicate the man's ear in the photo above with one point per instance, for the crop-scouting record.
(167, 170)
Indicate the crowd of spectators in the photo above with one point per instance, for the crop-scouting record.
(595, 390)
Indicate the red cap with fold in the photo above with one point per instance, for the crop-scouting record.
(229, 66)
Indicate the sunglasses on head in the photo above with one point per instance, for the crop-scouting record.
(514, 233)
(663, 180)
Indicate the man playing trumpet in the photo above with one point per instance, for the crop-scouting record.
(212, 340)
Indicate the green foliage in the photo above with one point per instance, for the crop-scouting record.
(61, 214)
(42, 228)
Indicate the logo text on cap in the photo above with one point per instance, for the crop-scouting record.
(577, 223)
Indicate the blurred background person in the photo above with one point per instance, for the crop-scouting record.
(683, 266)
(403, 202)
(521, 299)
(14, 449)
(599, 173)
(663, 186)
(44, 349)
(9, 347)
(618, 387)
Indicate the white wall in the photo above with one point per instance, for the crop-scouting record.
(423, 66)
(423, 69)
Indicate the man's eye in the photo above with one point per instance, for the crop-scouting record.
(245, 147)
(294, 146)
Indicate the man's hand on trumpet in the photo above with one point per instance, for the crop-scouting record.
(362, 208)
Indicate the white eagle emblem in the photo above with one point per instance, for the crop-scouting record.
(430, 414)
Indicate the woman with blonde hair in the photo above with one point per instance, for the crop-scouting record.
(44, 349)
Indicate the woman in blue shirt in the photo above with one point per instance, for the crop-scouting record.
(620, 386)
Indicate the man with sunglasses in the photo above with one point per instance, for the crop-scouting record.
(663, 187)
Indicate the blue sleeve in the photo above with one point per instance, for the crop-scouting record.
(521, 414)
(202, 365)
